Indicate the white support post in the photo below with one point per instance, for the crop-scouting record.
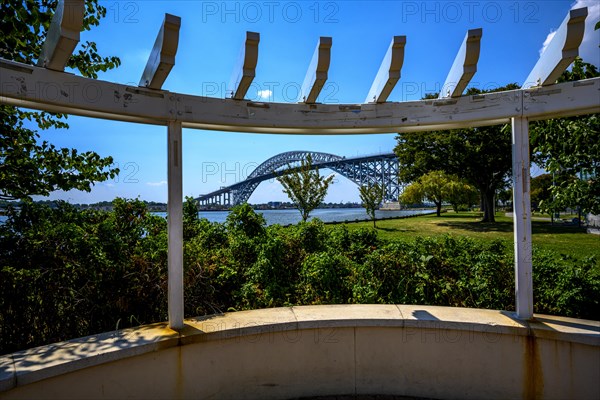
(175, 226)
(522, 218)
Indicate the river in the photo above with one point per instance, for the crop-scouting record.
(292, 216)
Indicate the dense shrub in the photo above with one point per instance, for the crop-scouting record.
(66, 273)
(323, 279)
(564, 286)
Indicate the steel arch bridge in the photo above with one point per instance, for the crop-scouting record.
(381, 169)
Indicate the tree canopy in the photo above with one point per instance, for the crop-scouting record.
(480, 156)
(569, 150)
(541, 190)
(305, 186)
(438, 187)
(28, 167)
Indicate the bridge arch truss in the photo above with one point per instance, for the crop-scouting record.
(379, 169)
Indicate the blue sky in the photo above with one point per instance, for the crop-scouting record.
(212, 34)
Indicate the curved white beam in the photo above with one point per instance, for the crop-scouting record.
(389, 72)
(162, 58)
(245, 71)
(63, 34)
(464, 66)
(560, 52)
(39, 88)
(316, 76)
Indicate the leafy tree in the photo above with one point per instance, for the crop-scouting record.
(191, 220)
(541, 190)
(305, 186)
(412, 194)
(435, 186)
(459, 193)
(505, 195)
(569, 148)
(481, 156)
(27, 167)
(371, 197)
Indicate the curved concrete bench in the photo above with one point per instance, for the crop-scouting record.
(296, 352)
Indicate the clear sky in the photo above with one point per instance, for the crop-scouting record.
(212, 34)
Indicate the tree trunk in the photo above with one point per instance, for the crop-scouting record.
(438, 208)
(374, 226)
(488, 206)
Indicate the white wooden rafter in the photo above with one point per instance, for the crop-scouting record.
(63, 34)
(389, 72)
(162, 57)
(245, 71)
(317, 72)
(560, 52)
(464, 66)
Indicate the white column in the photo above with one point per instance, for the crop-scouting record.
(522, 218)
(175, 226)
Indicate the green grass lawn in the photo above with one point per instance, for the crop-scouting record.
(561, 239)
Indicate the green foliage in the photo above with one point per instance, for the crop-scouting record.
(480, 156)
(461, 195)
(322, 279)
(24, 26)
(243, 219)
(27, 167)
(439, 187)
(305, 187)
(453, 271)
(191, 220)
(31, 168)
(371, 196)
(66, 273)
(569, 149)
(541, 190)
(573, 288)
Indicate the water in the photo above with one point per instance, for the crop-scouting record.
(292, 216)
(285, 217)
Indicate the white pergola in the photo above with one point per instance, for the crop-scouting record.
(47, 87)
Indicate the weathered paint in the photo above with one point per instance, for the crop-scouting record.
(282, 353)
(533, 378)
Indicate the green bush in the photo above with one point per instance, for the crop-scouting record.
(565, 286)
(323, 279)
(66, 273)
